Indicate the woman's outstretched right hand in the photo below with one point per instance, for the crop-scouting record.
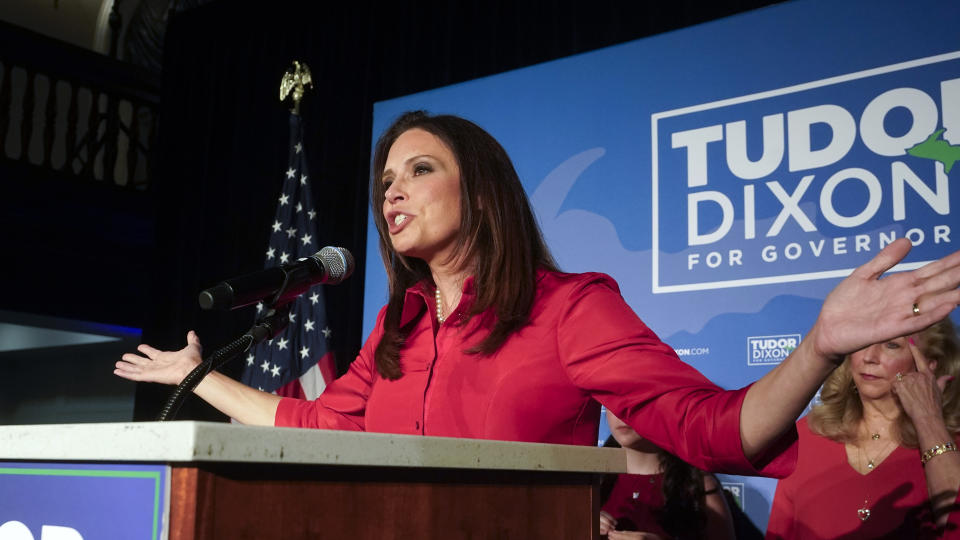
(154, 365)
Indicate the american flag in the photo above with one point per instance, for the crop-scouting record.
(298, 362)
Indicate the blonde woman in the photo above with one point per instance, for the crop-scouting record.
(878, 458)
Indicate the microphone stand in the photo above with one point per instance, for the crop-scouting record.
(267, 326)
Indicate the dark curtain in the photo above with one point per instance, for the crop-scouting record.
(223, 131)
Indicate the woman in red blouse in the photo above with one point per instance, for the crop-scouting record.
(482, 337)
(878, 456)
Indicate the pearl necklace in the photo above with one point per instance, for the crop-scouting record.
(436, 295)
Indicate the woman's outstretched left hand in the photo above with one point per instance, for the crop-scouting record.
(864, 309)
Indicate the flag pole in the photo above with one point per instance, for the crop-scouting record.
(299, 361)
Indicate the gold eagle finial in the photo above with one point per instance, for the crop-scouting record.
(295, 80)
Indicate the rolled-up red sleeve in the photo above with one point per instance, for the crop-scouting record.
(610, 353)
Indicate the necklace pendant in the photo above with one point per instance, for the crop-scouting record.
(870, 465)
(863, 514)
(875, 436)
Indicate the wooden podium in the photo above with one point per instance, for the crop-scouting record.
(234, 482)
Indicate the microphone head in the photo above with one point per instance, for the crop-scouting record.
(338, 262)
(218, 297)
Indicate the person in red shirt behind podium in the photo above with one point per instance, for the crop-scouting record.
(483, 337)
(661, 497)
(878, 455)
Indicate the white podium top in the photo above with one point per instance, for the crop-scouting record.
(188, 441)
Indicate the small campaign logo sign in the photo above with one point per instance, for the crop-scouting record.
(736, 489)
(770, 350)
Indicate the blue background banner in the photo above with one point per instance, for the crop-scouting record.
(729, 174)
(96, 501)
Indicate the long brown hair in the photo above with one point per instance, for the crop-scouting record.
(840, 410)
(498, 236)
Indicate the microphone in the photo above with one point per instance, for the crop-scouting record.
(331, 265)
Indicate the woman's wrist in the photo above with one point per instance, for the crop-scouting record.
(931, 426)
(188, 369)
(811, 346)
(936, 450)
(932, 432)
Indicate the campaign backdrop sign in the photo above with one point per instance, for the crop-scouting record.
(728, 175)
(49, 501)
(802, 182)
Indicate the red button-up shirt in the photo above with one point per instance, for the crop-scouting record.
(583, 346)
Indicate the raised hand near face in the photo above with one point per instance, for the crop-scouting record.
(921, 392)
